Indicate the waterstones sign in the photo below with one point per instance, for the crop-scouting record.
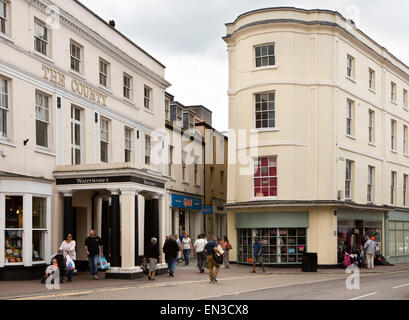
(99, 180)
(76, 86)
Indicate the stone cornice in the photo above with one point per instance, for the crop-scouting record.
(88, 34)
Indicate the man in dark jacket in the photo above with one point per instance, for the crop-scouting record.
(171, 249)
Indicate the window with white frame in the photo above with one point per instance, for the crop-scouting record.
(40, 229)
(350, 117)
(405, 139)
(371, 171)
(128, 144)
(167, 109)
(393, 187)
(371, 79)
(170, 161)
(13, 231)
(75, 135)
(350, 67)
(147, 149)
(3, 17)
(405, 98)
(405, 190)
(393, 135)
(348, 179)
(265, 110)
(42, 119)
(265, 177)
(103, 73)
(41, 38)
(184, 155)
(393, 91)
(371, 126)
(186, 117)
(264, 55)
(76, 57)
(4, 107)
(127, 86)
(147, 97)
(104, 137)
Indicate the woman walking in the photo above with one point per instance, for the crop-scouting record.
(68, 248)
(187, 246)
(226, 246)
(153, 257)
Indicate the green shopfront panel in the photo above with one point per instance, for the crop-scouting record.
(272, 220)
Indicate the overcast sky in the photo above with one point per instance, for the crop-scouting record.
(185, 35)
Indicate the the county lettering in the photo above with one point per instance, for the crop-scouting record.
(92, 180)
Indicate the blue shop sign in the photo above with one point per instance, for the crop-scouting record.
(179, 201)
(207, 210)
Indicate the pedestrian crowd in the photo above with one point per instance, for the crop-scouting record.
(209, 254)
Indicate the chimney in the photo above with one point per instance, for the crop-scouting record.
(112, 23)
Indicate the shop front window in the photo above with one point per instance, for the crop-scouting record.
(14, 230)
(280, 245)
(351, 235)
(398, 238)
(39, 228)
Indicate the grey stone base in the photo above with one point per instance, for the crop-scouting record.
(125, 274)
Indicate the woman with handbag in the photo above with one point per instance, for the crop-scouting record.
(68, 249)
(226, 246)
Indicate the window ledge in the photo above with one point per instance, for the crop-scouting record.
(406, 155)
(351, 79)
(43, 56)
(350, 137)
(45, 151)
(405, 108)
(5, 37)
(372, 144)
(105, 89)
(264, 68)
(38, 262)
(148, 111)
(259, 130)
(372, 90)
(75, 73)
(197, 185)
(394, 102)
(264, 198)
(394, 151)
(185, 182)
(129, 101)
(8, 143)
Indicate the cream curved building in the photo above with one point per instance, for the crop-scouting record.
(319, 115)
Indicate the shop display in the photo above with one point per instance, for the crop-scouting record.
(280, 245)
(14, 249)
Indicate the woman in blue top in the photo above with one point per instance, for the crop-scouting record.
(257, 255)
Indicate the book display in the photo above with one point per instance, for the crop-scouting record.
(280, 245)
(14, 247)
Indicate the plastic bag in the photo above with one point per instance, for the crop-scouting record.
(69, 263)
(104, 263)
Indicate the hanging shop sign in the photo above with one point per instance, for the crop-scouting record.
(207, 210)
(179, 201)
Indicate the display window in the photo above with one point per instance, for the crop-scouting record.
(351, 235)
(39, 228)
(280, 245)
(13, 234)
(398, 238)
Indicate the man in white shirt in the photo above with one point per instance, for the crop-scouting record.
(198, 250)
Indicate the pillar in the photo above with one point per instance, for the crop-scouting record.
(175, 221)
(98, 215)
(141, 228)
(28, 233)
(128, 225)
(115, 230)
(163, 214)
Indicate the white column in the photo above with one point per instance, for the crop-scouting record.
(28, 227)
(47, 252)
(163, 212)
(141, 223)
(175, 213)
(2, 227)
(98, 214)
(128, 227)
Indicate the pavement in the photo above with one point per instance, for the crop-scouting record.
(188, 283)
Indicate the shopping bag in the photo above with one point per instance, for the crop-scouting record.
(104, 263)
(347, 260)
(69, 263)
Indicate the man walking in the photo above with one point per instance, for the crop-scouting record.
(171, 249)
(257, 255)
(211, 249)
(198, 250)
(369, 248)
(94, 249)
